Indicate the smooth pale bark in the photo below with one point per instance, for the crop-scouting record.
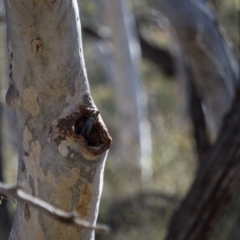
(134, 139)
(215, 70)
(50, 94)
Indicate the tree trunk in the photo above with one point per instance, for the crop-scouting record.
(5, 219)
(215, 75)
(193, 105)
(215, 69)
(217, 180)
(131, 100)
(61, 159)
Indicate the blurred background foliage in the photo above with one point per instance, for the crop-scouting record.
(135, 211)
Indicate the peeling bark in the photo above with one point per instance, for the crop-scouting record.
(50, 94)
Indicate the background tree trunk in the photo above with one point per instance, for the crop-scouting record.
(216, 183)
(50, 94)
(5, 218)
(193, 104)
(134, 139)
(215, 69)
(215, 77)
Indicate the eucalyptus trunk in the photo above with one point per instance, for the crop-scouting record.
(58, 161)
(134, 135)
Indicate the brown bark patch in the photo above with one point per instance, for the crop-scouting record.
(37, 45)
(66, 137)
(38, 3)
(30, 101)
(86, 195)
(26, 212)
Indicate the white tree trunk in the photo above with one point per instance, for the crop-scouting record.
(50, 94)
(134, 129)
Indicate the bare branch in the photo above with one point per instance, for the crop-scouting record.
(201, 7)
(60, 215)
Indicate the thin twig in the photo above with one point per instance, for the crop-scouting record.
(60, 215)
